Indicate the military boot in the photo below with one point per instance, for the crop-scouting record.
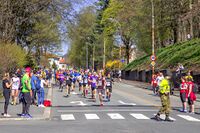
(168, 119)
(157, 118)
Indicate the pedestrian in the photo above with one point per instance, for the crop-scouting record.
(40, 90)
(191, 95)
(165, 100)
(183, 94)
(68, 83)
(15, 89)
(6, 93)
(26, 93)
(154, 84)
(33, 87)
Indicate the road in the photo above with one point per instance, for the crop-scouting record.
(129, 111)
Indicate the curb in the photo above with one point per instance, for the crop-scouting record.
(47, 110)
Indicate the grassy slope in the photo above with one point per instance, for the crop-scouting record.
(187, 53)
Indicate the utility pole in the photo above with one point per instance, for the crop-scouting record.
(86, 55)
(104, 54)
(153, 33)
(93, 58)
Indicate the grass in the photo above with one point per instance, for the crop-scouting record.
(186, 53)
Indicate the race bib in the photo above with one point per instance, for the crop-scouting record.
(100, 83)
(108, 83)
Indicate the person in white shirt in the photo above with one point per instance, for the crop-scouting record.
(15, 89)
(40, 92)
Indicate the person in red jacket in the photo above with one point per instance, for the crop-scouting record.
(154, 84)
(183, 94)
(191, 95)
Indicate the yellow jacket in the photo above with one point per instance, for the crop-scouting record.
(164, 86)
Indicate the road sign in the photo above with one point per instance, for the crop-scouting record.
(153, 58)
(153, 63)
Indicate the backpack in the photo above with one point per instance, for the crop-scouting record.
(38, 84)
(195, 88)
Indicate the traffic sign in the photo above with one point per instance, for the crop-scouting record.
(153, 58)
(153, 63)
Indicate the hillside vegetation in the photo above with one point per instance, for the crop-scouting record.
(186, 53)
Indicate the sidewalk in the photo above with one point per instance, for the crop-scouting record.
(147, 86)
(36, 112)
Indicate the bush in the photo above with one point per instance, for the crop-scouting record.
(12, 56)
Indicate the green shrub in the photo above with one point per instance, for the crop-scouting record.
(12, 56)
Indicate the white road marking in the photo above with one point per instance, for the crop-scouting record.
(80, 103)
(73, 93)
(107, 110)
(140, 116)
(115, 116)
(189, 118)
(67, 117)
(162, 116)
(91, 116)
(126, 103)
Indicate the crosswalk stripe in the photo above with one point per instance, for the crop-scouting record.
(162, 116)
(115, 116)
(91, 116)
(67, 117)
(139, 116)
(189, 118)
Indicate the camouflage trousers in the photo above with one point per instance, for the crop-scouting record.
(165, 101)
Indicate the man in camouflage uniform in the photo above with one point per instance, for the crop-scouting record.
(165, 100)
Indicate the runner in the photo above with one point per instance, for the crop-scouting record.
(100, 87)
(80, 80)
(93, 80)
(61, 81)
(68, 83)
(109, 81)
(85, 84)
(73, 75)
(15, 89)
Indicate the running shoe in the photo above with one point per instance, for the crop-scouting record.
(28, 116)
(6, 115)
(22, 115)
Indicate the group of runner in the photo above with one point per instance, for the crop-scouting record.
(89, 82)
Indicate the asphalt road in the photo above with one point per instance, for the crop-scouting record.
(129, 111)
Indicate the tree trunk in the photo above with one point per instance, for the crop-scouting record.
(127, 53)
(191, 21)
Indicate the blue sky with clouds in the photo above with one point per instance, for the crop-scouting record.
(78, 8)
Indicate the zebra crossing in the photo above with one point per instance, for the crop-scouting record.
(135, 116)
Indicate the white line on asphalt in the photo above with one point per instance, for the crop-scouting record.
(115, 116)
(126, 103)
(189, 118)
(162, 116)
(67, 117)
(91, 116)
(73, 93)
(107, 110)
(140, 116)
(80, 103)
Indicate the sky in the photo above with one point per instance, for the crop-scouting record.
(78, 8)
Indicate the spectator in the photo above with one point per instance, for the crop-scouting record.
(40, 90)
(15, 89)
(191, 95)
(154, 84)
(6, 93)
(183, 94)
(33, 87)
(27, 93)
